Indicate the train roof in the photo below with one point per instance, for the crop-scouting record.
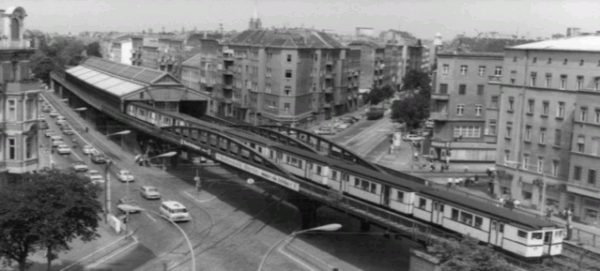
(523, 220)
(249, 136)
(178, 115)
(352, 168)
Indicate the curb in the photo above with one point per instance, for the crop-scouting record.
(78, 265)
(114, 254)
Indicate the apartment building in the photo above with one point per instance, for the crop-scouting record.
(125, 49)
(546, 124)
(203, 72)
(460, 99)
(285, 76)
(410, 47)
(19, 148)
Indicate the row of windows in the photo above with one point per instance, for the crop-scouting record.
(462, 89)
(526, 164)
(560, 109)
(591, 176)
(30, 109)
(467, 131)
(549, 61)
(547, 83)
(29, 148)
(593, 148)
(583, 115)
(464, 70)
(460, 109)
(365, 185)
(466, 218)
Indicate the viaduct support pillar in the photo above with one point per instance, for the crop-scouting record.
(175, 159)
(365, 226)
(308, 211)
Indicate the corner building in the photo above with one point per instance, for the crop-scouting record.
(543, 137)
(19, 97)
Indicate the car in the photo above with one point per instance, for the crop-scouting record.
(68, 131)
(429, 123)
(149, 192)
(63, 149)
(57, 142)
(174, 211)
(130, 202)
(56, 137)
(54, 114)
(98, 158)
(340, 126)
(47, 109)
(324, 130)
(61, 122)
(94, 174)
(87, 149)
(49, 133)
(350, 119)
(80, 166)
(96, 179)
(412, 137)
(125, 176)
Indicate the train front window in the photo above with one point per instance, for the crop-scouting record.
(536, 236)
(466, 218)
(400, 196)
(558, 234)
(522, 234)
(422, 203)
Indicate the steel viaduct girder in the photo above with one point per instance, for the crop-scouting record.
(201, 140)
(322, 145)
(278, 137)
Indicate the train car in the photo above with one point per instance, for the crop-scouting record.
(306, 164)
(255, 142)
(514, 232)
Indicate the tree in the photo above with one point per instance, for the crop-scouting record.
(378, 95)
(412, 110)
(42, 65)
(93, 49)
(417, 80)
(47, 211)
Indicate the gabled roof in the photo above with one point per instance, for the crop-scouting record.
(481, 45)
(365, 42)
(580, 43)
(137, 74)
(291, 38)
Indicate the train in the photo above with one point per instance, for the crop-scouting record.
(518, 234)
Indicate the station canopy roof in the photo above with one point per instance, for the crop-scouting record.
(108, 83)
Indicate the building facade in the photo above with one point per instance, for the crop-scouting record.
(463, 102)
(546, 124)
(19, 148)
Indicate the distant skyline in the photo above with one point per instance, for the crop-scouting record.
(421, 18)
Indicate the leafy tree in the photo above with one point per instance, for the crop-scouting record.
(93, 49)
(417, 80)
(42, 65)
(411, 110)
(378, 95)
(46, 211)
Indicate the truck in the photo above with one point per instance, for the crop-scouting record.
(375, 112)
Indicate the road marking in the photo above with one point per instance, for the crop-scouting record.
(149, 216)
(298, 261)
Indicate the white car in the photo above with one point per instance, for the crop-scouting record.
(54, 114)
(149, 192)
(57, 142)
(87, 149)
(63, 149)
(125, 176)
(413, 137)
(96, 179)
(49, 133)
(80, 166)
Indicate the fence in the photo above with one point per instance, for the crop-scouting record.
(100, 253)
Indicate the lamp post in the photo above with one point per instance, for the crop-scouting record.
(164, 155)
(328, 227)
(124, 132)
(540, 170)
(129, 208)
(107, 190)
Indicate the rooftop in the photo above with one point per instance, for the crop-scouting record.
(137, 74)
(580, 43)
(193, 61)
(466, 45)
(291, 38)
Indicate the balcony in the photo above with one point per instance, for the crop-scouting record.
(228, 85)
(438, 116)
(495, 78)
(328, 89)
(440, 96)
(20, 44)
(228, 71)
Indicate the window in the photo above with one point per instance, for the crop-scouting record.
(287, 90)
(555, 165)
(540, 165)
(506, 156)
(581, 62)
(286, 107)
(511, 103)
(463, 69)
(12, 110)
(445, 69)
(455, 214)
(460, 109)
(508, 129)
(563, 81)
(528, 133)
(289, 58)
(525, 161)
(268, 88)
(560, 113)
(494, 102)
(498, 71)
(545, 108)
(480, 90)
(581, 143)
(565, 61)
(30, 107)
(515, 59)
(29, 147)
(557, 137)
(579, 82)
(534, 60)
(467, 131)
(478, 110)
(577, 173)
(583, 115)
(400, 196)
(422, 203)
(533, 77)
(481, 70)
(288, 73)
(12, 149)
(530, 106)
(549, 60)
(591, 176)
(548, 80)
(492, 127)
(595, 146)
(597, 115)
(462, 89)
(596, 83)
(478, 222)
(466, 218)
(443, 88)
(522, 234)
(542, 136)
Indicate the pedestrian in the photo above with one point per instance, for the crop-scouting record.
(476, 178)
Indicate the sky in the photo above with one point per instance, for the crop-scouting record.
(422, 18)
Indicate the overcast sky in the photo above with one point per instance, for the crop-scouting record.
(422, 18)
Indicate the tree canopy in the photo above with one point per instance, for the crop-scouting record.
(411, 110)
(61, 52)
(46, 211)
(93, 49)
(378, 95)
(416, 80)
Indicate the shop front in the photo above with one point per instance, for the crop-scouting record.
(585, 202)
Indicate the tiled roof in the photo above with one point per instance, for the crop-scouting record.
(294, 38)
(581, 43)
(365, 42)
(138, 74)
(482, 45)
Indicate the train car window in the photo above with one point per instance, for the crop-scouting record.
(245, 154)
(130, 110)
(356, 182)
(400, 196)
(500, 227)
(141, 112)
(536, 236)
(454, 215)
(466, 218)
(522, 234)
(223, 144)
(319, 169)
(252, 145)
(233, 148)
(558, 234)
(334, 175)
(494, 225)
(203, 136)
(272, 154)
(194, 134)
(167, 121)
(260, 149)
(478, 222)
(279, 155)
(185, 132)
(373, 188)
(422, 203)
(273, 137)
(257, 159)
(213, 140)
(346, 177)
(302, 137)
(153, 117)
(293, 144)
(364, 185)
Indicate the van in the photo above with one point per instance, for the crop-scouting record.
(174, 211)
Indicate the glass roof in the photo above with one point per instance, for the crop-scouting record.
(139, 74)
(98, 78)
(74, 69)
(88, 75)
(124, 88)
(80, 72)
(108, 83)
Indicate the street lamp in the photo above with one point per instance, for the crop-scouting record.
(164, 155)
(80, 109)
(540, 170)
(124, 132)
(128, 208)
(107, 190)
(412, 147)
(328, 227)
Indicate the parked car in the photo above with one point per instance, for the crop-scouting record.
(429, 123)
(125, 176)
(63, 149)
(61, 122)
(47, 109)
(57, 142)
(68, 131)
(80, 166)
(95, 176)
(340, 126)
(350, 119)
(130, 202)
(87, 149)
(98, 158)
(54, 114)
(325, 131)
(49, 133)
(149, 192)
